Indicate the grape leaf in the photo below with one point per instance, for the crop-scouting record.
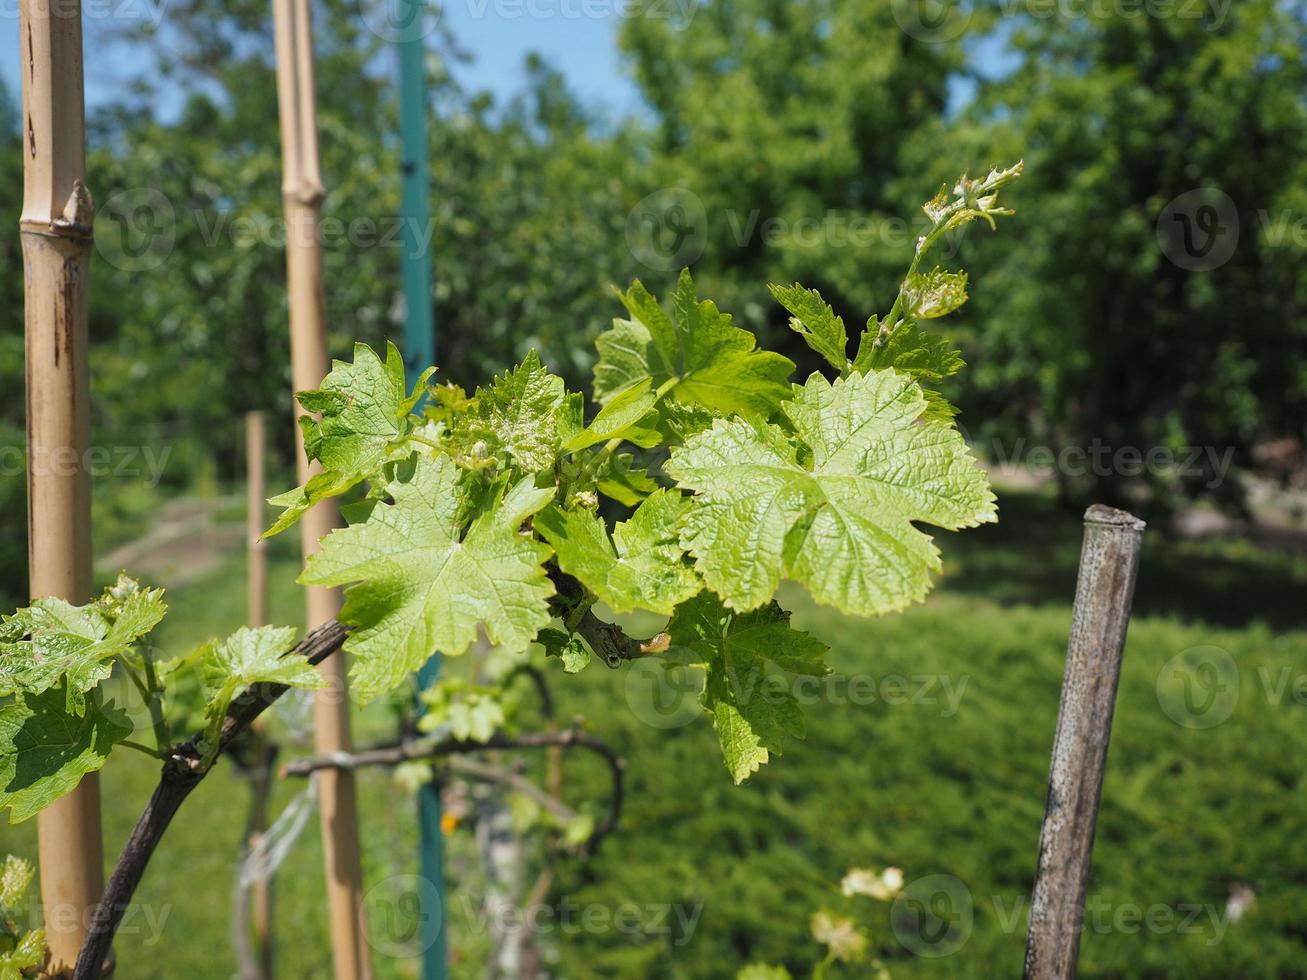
(45, 751)
(913, 351)
(921, 354)
(641, 567)
(751, 711)
(623, 481)
(14, 881)
(567, 647)
(814, 320)
(22, 951)
(256, 656)
(927, 295)
(249, 656)
(79, 643)
(835, 511)
(627, 417)
(422, 586)
(515, 419)
(695, 355)
(470, 712)
(25, 958)
(363, 411)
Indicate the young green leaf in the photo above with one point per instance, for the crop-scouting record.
(515, 419)
(422, 585)
(45, 750)
(60, 640)
(834, 512)
(918, 353)
(937, 293)
(627, 416)
(751, 711)
(249, 656)
(814, 320)
(22, 951)
(25, 959)
(567, 647)
(14, 880)
(696, 356)
(472, 712)
(641, 567)
(910, 350)
(623, 481)
(363, 411)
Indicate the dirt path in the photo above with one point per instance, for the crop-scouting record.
(188, 541)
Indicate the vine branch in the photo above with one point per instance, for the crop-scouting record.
(183, 766)
(421, 749)
(183, 770)
(608, 640)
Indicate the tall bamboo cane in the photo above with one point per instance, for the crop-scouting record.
(56, 234)
(256, 906)
(257, 549)
(303, 191)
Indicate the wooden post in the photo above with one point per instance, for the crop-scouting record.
(56, 233)
(302, 192)
(260, 895)
(1109, 562)
(257, 565)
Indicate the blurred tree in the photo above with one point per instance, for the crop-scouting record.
(13, 483)
(190, 309)
(778, 148)
(1152, 297)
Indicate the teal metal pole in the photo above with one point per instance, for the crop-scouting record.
(420, 353)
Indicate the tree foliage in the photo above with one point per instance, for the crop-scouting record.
(481, 513)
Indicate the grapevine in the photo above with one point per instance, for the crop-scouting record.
(490, 513)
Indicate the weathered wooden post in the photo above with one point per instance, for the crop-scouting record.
(56, 233)
(257, 962)
(1109, 562)
(302, 193)
(257, 554)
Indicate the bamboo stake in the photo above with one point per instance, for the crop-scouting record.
(260, 896)
(257, 565)
(56, 234)
(1109, 562)
(303, 191)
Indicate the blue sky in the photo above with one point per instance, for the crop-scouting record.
(499, 33)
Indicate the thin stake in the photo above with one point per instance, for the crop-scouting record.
(56, 234)
(1109, 562)
(419, 353)
(302, 192)
(260, 895)
(257, 565)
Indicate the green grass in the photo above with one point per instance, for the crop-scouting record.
(884, 777)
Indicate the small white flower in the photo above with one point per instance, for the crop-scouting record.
(840, 935)
(864, 881)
